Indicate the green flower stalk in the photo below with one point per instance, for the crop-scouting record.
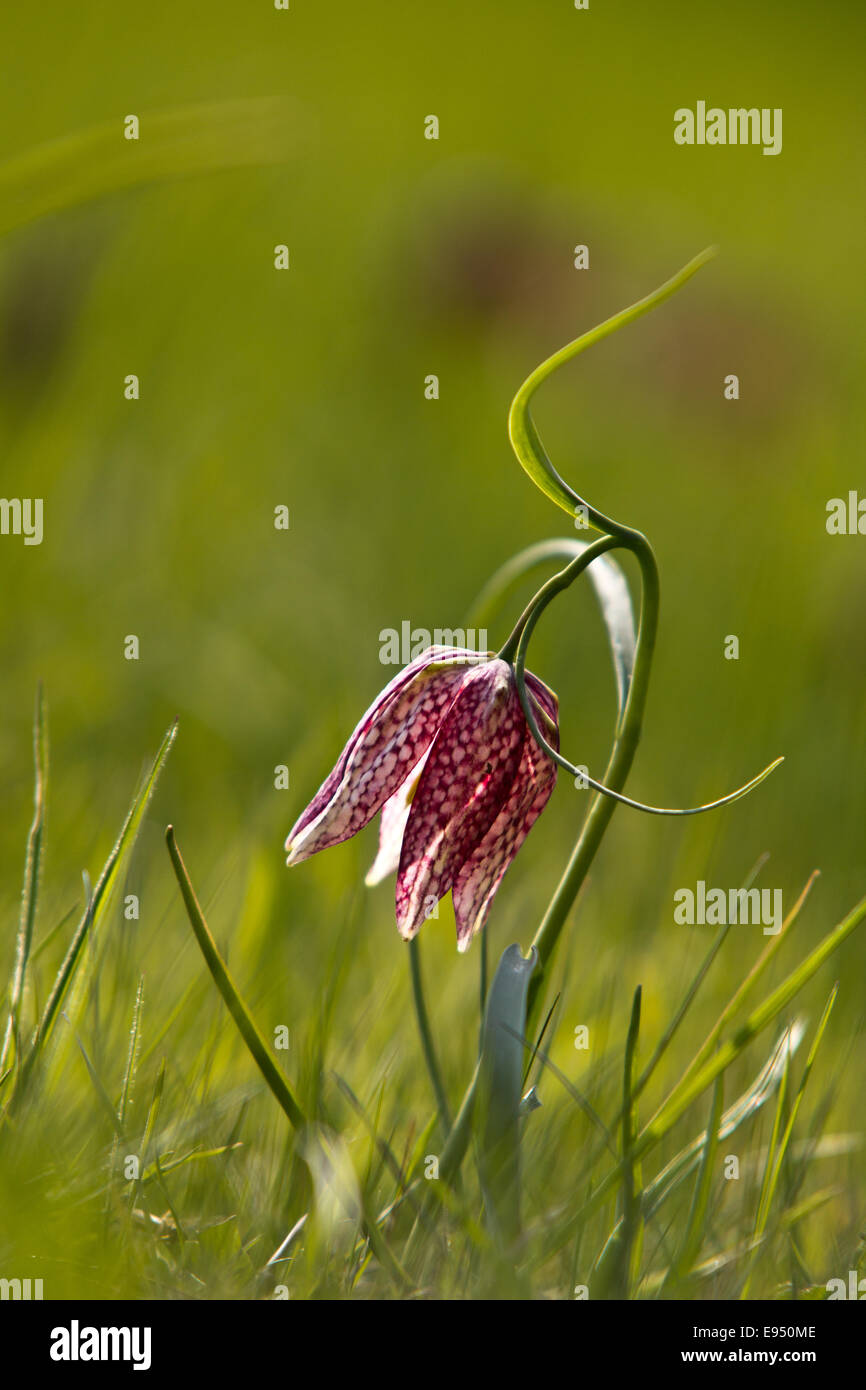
(632, 653)
(531, 454)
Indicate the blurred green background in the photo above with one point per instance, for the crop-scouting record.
(306, 388)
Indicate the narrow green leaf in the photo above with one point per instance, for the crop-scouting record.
(104, 1098)
(426, 1033)
(522, 432)
(775, 1135)
(95, 905)
(153, 1111)
(690, 994)
(631, 1214)
(690, 1087)
(45, 941)
(577, 1096)
(697, 1219)
(748, 984)
(126, 1090)
(780, 1140)
(748, 1104)
(380, 1145)
(798, 1099)
(30, 891)
(99, 161)
(131, 1056)
(147, 1133)
(682, 1096)
(540, 1039)
(219, 973)
(166, 1164)
(255, 1045)
(616, 1266)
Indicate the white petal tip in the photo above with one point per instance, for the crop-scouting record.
(376, 874)
(299, 847)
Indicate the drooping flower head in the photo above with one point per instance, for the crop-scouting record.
(445, 753)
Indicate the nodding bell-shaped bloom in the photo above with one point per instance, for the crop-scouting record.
(445, 753)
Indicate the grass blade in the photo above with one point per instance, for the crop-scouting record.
(147, 1134)
(683, 1095)
(778, 1147)
(129, 1074)
(99, 1088)
(104, 885)
(748, 1104)
(98, 161)
(95, 904)
(751, 979)
(219, 973)
(689, 1088)
(255, 1045)
(786, 1137)
(697, 1218)
(427, 1044)
(632, 1224)
(31, 883)
(132, 1056)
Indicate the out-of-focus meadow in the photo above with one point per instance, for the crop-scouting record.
(305, 388)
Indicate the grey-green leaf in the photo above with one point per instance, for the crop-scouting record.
(499, 1092)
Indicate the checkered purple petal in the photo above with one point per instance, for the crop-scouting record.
(466, 780)
(387, 743)
(479, 878)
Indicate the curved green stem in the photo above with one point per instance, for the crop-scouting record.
(520, 637)
(531, 455)
(509, 575)
(521, 428)
(615, 775)
(514, 650)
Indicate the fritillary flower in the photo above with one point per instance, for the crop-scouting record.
(445, 753)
